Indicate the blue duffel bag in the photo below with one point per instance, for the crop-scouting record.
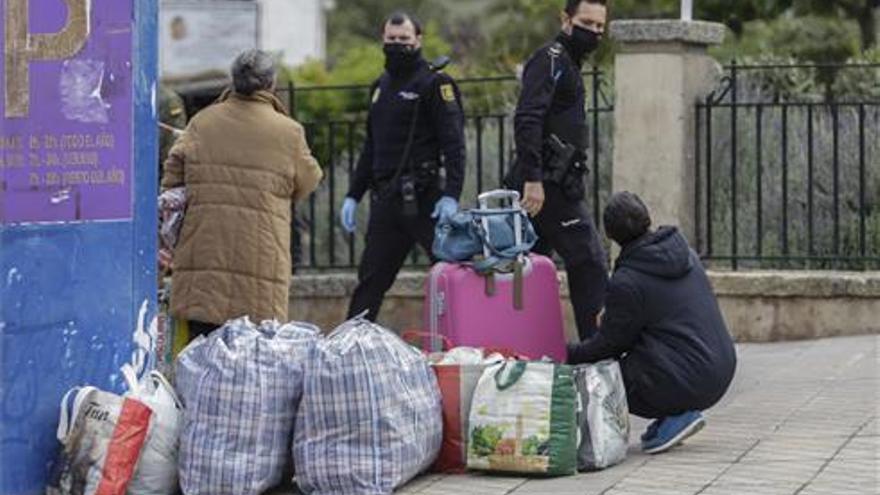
(497, 234)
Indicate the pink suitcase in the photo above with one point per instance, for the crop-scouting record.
(457, 307)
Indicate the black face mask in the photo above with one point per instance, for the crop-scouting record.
(582, 42)
(401, 59)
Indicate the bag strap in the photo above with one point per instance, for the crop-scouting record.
(405, 158)
(492, 262)
(66, 420)
(160, 381)
(504, 381)
(507, 253)
(131, 379)
(518, 284)
(489, 275)
(481, 227)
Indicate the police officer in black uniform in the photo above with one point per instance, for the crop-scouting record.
(412, 161)
(551, 142)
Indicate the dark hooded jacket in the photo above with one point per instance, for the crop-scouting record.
(662, 320)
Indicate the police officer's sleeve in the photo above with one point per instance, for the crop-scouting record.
(363, 171)
(447, 115)
(538, 86)
(173, 113)
(621, 326)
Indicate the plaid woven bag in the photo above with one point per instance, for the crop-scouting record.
(241, 386)
(370, 417)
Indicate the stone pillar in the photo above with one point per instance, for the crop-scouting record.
(661, 71)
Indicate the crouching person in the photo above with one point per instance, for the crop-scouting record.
(663, 322)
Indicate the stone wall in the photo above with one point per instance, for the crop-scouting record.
(758, 306)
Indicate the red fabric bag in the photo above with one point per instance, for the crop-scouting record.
(457, 383)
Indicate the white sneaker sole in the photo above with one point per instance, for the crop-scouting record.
(683, 435)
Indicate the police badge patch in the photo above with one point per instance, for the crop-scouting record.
(447, 93)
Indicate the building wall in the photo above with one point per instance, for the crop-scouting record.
(296, 28)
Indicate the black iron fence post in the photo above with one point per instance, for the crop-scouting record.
(709, 176)
(759, 180)
(810, 187)
(734, 205)
(863, 215)
(291, 99)
(698, 206)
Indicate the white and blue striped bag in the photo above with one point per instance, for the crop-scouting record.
(370, 417)
(240, 387)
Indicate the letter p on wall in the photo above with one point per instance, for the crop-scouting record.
(21, 47)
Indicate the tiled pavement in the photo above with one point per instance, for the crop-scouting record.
(801, 418)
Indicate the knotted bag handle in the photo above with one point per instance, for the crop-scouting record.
(504, 382)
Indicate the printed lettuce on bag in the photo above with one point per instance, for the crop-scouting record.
(523, 420)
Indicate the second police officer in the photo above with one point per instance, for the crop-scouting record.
(412, 161)
(551, 139)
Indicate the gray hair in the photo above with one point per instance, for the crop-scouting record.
(252, 71)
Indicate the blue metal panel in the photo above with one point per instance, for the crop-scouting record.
(70, 296)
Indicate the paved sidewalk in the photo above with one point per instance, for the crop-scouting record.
(801, 418)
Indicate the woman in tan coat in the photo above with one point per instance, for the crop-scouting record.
(242, 161)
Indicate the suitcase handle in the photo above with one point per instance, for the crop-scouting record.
(515, 210)
(513, 196)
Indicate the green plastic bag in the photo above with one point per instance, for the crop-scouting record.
(523, 420)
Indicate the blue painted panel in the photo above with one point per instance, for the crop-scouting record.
(66, 321)
(70, 296)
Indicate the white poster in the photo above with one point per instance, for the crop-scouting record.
(202, 37)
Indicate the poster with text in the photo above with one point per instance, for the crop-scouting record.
(66, 136)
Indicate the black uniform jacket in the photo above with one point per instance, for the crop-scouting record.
(552, 100)
(438, 135)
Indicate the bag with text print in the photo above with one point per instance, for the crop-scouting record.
(102, 435)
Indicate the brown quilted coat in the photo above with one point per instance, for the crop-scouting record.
(242, 161)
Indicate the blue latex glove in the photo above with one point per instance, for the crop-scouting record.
(348, 216)
(445, 208)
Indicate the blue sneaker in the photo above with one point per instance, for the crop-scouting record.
(651, 432)
(674, 430)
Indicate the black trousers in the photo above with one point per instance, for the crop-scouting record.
(657, 391)
(197, 328)
(565, 226)
(390, 238)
